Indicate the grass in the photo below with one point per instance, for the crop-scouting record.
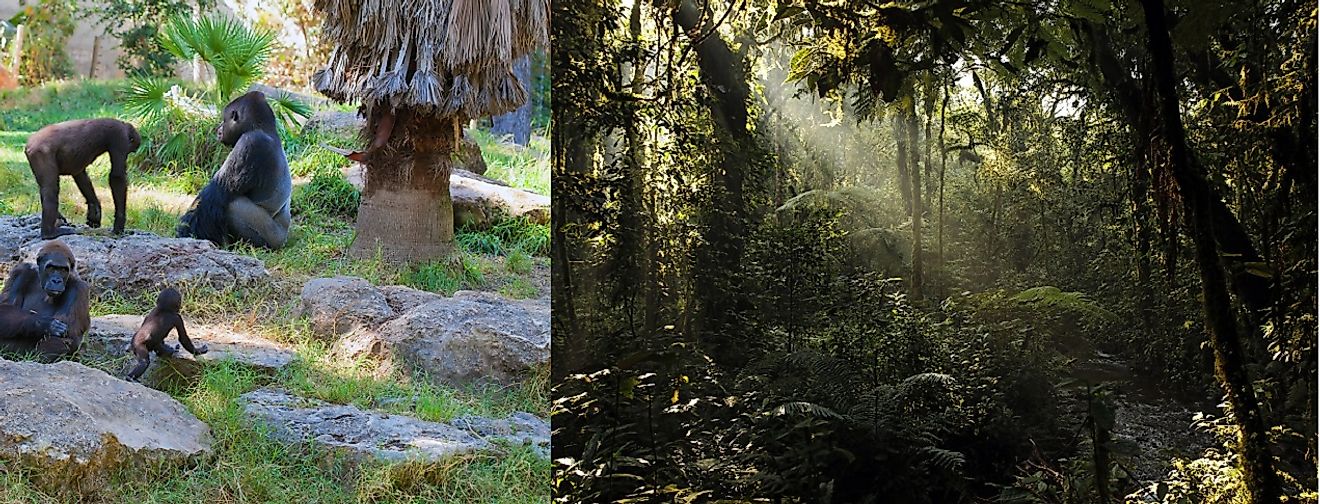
(248, 466)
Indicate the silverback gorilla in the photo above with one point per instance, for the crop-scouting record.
(150, 337)
(66, 149)
(45, 308)
(248, 198)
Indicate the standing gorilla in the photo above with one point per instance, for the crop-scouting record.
(45, 308)
(248, 198)
(66, 149)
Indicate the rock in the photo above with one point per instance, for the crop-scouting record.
(110, 336)
(17, 231)
(368, 433)
(341, 305)
(480, 202)
(403, 298)
(471, 337)
(464, 339)
(145, 262)
(71, 424)
(335, 122)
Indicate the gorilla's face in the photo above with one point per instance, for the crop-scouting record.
(230, 128)
(55, 271)
(169, 300)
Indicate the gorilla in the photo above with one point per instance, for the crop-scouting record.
(248, 198)
(44, 308)
(150, 337)
(67, 148)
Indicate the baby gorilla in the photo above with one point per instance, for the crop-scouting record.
(158, 324)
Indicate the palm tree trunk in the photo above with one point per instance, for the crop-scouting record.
(407, 214)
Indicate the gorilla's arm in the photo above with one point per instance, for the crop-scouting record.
(185, 341)
(17, 283)
(16, 324)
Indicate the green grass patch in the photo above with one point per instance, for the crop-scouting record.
(248, 465)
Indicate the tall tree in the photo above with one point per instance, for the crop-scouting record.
(1257, 461)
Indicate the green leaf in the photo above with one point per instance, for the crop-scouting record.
(787, 11)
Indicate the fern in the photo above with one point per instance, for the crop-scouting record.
(1052, 297)
(806, 408)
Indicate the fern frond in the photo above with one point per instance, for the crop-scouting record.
(805, 408)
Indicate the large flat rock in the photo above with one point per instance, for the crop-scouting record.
(468, 338)
(71, 424)
(135, 261)
(368, 433)
(110, 336)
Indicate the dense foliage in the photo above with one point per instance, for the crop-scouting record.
(136, 24)
(939, 251)
(49, 25)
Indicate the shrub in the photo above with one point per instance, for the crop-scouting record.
(49, 26)
(326, 194)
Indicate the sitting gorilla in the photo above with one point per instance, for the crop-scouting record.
(248, 198)
(45, 308)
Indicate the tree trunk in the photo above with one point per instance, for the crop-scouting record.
(904, 182)
(1257, 462)
(407, 214)
(917, 207)
(518, 123)
(944, 158)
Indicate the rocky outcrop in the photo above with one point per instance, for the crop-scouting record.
(71, 424)
(367, 433)
(135, 261)
(110, 336)
(341, 305)
(470, 337)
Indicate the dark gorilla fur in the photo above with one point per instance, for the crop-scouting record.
(155, 327)
(44, 308)
(248, 198)
(67, 148)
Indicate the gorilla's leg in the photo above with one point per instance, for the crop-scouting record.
(47, 174)
(254, 223)
(89, 193)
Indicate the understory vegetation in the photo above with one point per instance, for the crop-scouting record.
(248, 466)
(935, 252)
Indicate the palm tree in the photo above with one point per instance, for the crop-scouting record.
(420, 69)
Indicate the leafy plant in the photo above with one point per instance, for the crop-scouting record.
(136, 24)
(236, 52)
(49, 26)
(326, 194)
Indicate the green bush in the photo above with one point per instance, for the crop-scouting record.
(49, 26)
(328, 195)
(508, 236)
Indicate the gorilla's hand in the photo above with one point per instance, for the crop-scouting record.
(55, 327)
(201, 349)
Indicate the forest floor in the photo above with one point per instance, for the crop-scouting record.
(249, 467)
(1151, 424)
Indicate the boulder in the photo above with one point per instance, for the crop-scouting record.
(110, 335)
(480, 202)
(341, 305)
(367, 433)
(335, 122)
(470, 337)
(71, 424)
(464, 339)
(135, 261)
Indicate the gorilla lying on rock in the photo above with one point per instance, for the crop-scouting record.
(248, 198)
(45, 308)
